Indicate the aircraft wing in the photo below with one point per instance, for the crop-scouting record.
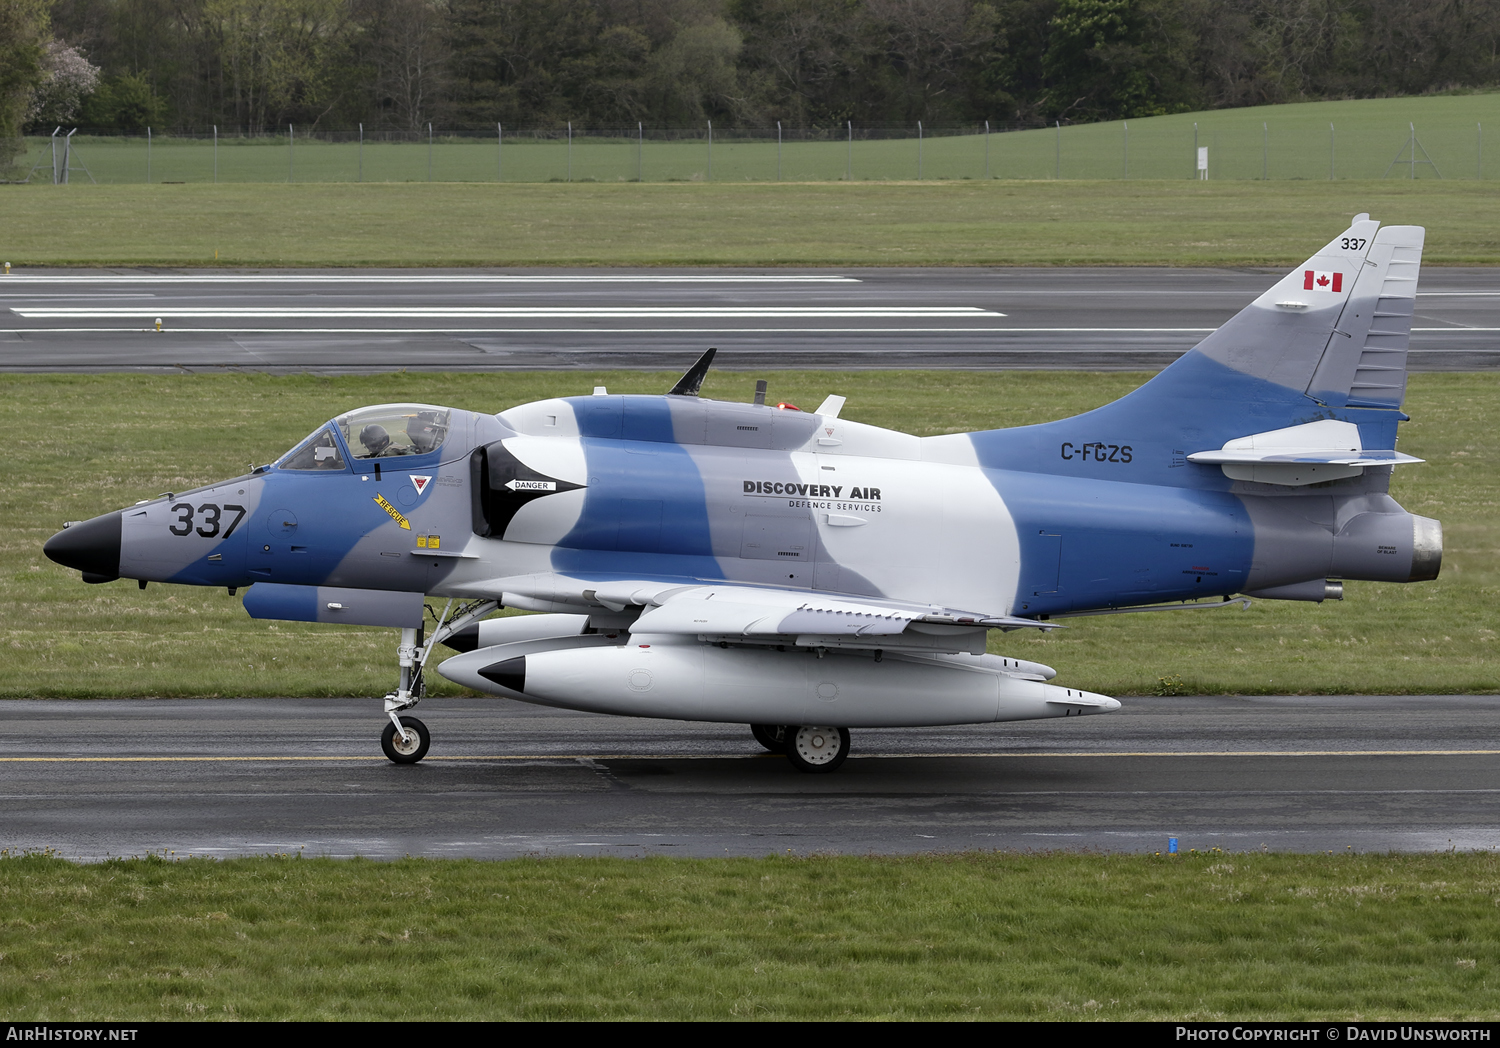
(715, 612)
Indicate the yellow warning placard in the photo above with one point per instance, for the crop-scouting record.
(395, 513)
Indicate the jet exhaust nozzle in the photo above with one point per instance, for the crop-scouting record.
(1427, 549)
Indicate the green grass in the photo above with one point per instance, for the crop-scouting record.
(949, 223)
(100, 442)
(1191, 937)
(1276, 142)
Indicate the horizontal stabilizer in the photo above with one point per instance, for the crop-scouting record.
(1296, 456)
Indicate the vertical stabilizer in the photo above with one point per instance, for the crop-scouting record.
(1282, 336)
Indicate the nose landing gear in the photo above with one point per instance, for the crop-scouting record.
(405, 739)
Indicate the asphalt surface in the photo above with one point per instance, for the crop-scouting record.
(225, 777)
(340, 321)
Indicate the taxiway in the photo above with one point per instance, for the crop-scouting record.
(341, 321)
(225, 777)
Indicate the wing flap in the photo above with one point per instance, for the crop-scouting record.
(751, 614)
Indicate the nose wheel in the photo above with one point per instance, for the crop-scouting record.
(409, 745)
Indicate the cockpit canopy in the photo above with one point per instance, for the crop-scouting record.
(378, 432)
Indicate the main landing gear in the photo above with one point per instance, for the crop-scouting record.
(809, 748)
(405, 739)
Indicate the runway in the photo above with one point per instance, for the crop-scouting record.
(351, 321)
(225, 777)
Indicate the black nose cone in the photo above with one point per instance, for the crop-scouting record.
(466, 639)
(508, 674)
(90, 546)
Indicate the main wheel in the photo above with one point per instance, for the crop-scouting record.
(771, 736)
(816, 749)
(410, 749)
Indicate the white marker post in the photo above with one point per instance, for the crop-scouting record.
(1203, 163)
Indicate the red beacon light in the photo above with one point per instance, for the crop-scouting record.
(784, 406)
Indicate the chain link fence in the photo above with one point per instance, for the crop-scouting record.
(1157, 148)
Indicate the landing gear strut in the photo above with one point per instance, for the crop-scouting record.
(405, 739)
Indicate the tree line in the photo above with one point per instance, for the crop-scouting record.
(400, 64)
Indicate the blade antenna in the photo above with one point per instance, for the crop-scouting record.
(689, 384)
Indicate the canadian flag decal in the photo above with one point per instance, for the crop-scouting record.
(420, 483)
(1318, 279)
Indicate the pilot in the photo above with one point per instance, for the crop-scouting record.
(375, 439)
(424, 432)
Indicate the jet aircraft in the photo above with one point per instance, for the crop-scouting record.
(806, 574)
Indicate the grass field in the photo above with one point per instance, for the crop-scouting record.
(102, 442)
(1357, 139)
(947, 223)
(1205, 937)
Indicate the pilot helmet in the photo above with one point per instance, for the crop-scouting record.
(374, 438)
(424, 431)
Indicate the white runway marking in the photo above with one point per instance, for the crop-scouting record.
(536, 312)
(614, 331)
(423, 278)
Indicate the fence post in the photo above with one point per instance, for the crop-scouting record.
(1265, 136)
(1126, 125)
(570, 150)
(919, 150)
(361, 152)
(1332, 154)
(1479, 147)
(849, 155)
(429, 150)
(640, 150)
(778, 150)
(986, 150)
(499, 152)
(1413, 151)
(216, 154)
(710, 150)
(67, 154)
(148, 156)
(55, 130)
(291, 153)
(1057, 151)
(1195, 150)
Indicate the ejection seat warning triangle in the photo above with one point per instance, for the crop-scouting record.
(420, 483)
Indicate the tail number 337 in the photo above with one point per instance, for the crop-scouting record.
(210, 517)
